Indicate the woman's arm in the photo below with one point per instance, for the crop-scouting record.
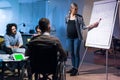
(93, 25)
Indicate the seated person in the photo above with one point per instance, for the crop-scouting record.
(45, 37)
(13, 40)
(38, 31)
(13, 43)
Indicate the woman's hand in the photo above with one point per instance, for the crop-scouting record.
(94, 24)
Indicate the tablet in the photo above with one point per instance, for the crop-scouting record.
(18, 56)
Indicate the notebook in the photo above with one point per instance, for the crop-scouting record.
(18, 56)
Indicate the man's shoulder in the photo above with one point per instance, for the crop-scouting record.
(54, 38)
(34, 37)
(18, 34)
(43, 40)
(6, 36)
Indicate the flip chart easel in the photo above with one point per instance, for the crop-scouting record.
(101, 36)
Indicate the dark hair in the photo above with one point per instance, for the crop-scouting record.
(43, 24)
(36, 28)
(9, 28)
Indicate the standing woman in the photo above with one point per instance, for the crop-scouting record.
(75, 25)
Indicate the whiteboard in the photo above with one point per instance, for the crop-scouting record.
(101, 36)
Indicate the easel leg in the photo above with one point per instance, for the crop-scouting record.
(83, 58)
(106, 61)
(106, 64)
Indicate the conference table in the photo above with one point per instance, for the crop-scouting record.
(8, 59)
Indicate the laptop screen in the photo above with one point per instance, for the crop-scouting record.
(18, 56)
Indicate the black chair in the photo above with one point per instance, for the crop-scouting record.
(44, 61)
(1, 45)
(116, 43)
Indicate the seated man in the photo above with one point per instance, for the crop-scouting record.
(45, 37)
(13, 43)
(13, 39)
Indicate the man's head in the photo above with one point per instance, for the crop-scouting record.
(11, 29)
(44, 25)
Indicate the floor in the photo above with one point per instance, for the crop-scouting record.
(90, 71)
(93, 68)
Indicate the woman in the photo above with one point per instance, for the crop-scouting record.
(75, 25)
(38, 31)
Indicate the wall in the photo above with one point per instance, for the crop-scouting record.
(87, 10)
(29, 12)
(8, 13)
(21, 12)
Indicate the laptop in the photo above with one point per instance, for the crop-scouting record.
(18, 56)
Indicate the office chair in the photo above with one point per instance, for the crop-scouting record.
(44, 61)
(116, 43)
(1, 45)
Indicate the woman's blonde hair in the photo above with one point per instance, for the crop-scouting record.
(76, 7)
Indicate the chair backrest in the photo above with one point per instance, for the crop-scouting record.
(116, 43)
(1, 41)
(43, 58)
